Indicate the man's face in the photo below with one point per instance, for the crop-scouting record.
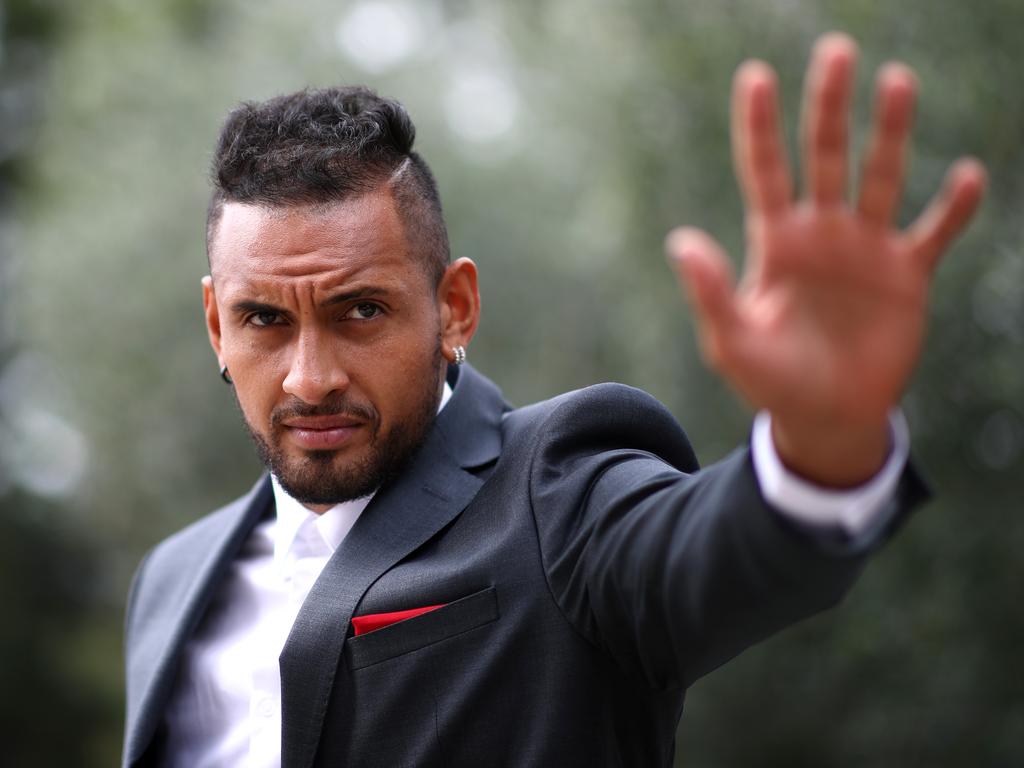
(331, 332)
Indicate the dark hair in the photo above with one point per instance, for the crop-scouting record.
(322, 146)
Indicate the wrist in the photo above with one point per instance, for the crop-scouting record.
(829, 455)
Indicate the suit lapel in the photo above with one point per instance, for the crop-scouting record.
(431, 492)
(204, 558)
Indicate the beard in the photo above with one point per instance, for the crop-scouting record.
(321, 477)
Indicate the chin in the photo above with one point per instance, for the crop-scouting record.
(323, 477)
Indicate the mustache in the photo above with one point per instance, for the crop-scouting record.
(334, 406)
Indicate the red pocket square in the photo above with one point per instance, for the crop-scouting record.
(374, 621)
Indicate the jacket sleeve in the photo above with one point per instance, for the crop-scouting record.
(670, 569)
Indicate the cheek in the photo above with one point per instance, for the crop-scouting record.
(258, 375)
(247, 351)
(404, 346)
(397, 369)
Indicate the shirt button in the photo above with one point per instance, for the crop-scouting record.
(265, 708)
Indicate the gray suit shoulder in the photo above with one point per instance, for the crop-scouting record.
(200, 531)
(602, 417)
(184, 552)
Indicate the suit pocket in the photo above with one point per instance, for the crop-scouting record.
(420, 631)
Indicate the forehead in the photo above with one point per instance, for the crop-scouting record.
(332, 242)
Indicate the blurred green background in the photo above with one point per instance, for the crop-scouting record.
(567, 138)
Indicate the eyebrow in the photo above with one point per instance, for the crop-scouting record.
(245, 306)
(358, 293)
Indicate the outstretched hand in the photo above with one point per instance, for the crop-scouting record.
(827, 323)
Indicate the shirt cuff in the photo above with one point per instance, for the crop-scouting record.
(853, 509)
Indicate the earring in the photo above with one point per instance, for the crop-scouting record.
(224, 375)
(460, 354)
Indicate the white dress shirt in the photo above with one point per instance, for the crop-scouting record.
(225, 709)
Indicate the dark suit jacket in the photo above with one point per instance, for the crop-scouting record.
(589, 575)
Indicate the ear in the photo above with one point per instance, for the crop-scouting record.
(212, 318)
(459, 301)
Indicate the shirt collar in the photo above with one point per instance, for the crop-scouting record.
(333, 525)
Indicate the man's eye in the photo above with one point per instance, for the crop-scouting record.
(263, 319)
(363, 312)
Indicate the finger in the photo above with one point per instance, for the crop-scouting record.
(884, 166)
(706, 278)
(948, 212)
(758, 151)
(826, 118)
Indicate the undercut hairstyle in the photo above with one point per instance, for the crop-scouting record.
(317, 147)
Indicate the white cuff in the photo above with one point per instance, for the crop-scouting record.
(853, 509)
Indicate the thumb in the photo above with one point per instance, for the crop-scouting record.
(706, 279)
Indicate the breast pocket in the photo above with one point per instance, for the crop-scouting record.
(449, 620)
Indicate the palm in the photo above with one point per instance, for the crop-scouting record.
(832, 315)
(827, 323)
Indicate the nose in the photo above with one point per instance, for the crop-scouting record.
(316, 369)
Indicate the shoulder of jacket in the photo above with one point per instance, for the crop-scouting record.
(604, 417)
(608, 398)
(199, 532)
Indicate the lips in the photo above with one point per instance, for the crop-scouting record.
(322, 433)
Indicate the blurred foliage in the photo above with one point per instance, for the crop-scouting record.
(567, 138)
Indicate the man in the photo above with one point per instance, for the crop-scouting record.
(429, 577)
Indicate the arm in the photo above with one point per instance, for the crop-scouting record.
(674, 573)
(669, 570)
